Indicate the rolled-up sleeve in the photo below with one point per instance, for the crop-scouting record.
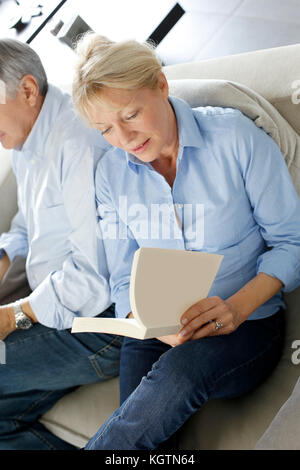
(274, 200)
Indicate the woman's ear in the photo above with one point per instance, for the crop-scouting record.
(162, 84)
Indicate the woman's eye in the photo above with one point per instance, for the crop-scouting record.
(105, 131)
(133, 115)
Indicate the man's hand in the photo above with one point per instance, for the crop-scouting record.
(4, 265)
(7, 321)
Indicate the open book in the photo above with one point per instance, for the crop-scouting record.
(164, 283)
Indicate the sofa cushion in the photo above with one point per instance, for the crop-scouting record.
(77, 416)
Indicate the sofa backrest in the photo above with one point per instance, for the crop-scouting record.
(273, 73)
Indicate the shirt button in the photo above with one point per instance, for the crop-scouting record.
(180, 206)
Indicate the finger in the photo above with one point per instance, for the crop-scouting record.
(199, 321)
(210, 330)
(199, 308)
(219, 312)
(184, 336)
(174, 340)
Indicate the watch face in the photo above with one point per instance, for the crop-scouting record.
(23, 322)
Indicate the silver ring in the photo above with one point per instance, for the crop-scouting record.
(218, 325)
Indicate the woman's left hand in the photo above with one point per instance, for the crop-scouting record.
(209, 317)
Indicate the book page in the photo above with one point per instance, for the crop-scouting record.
(117, 326)
(165, 283)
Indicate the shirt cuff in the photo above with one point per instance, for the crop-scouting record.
(45, 307)
(281, 266)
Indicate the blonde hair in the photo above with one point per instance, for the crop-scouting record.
(103, 63)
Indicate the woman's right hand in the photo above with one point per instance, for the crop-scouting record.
(175, 340)
(171, 340)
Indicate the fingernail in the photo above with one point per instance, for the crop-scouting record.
(182, 333)
(184, 321)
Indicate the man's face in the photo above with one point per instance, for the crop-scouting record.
(14, 125)
(17, 117)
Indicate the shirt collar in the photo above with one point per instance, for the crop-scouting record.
(188, 132)
(35, 142)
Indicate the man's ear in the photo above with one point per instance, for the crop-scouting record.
(29, 90)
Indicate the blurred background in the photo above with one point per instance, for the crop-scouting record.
(184, 31)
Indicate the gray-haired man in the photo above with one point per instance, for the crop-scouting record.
(55, 230)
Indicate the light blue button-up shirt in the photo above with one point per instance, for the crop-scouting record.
(55, 227)
(232, 195)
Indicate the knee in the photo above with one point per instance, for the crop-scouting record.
(181, 366)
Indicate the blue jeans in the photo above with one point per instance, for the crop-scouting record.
(42, 365)
(185, 377)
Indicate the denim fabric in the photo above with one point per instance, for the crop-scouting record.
(185, 377)
(42, 365)
(137, 358)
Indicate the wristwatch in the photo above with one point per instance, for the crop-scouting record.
(22, 321)
(2, 253)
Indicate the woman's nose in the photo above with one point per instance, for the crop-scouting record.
(125, 135)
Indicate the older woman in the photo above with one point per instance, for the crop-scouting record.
(167, 154)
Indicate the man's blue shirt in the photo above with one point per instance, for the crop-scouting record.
(232, 195)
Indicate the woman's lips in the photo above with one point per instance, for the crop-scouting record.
(142, 147)
(2, 134)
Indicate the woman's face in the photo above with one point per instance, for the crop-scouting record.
(141, 122)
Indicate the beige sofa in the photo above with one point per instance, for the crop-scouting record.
(221, 424)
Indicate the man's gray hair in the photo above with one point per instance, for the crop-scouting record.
(17, 59)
